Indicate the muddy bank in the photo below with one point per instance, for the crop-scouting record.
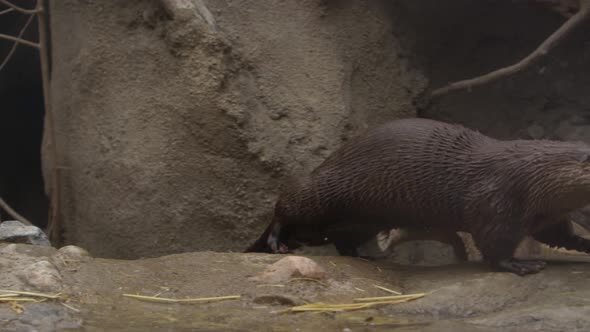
(460, 297)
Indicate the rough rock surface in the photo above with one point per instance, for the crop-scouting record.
(31, 268)
(173, 136)
(42, 275)
(16, 232)
(459, 297)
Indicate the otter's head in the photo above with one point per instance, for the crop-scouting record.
(564, 177)
(573, 169)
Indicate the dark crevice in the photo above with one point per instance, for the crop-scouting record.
(21, 123)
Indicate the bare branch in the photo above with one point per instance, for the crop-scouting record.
(15, 44)
(13, 213)
(19, 40)
(54, 223)
(17, 8)
(549, 43)
(6, 11)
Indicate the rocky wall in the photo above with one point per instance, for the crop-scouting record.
(174, 133)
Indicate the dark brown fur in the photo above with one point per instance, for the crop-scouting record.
(424, 174)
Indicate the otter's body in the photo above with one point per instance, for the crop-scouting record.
(428, 175)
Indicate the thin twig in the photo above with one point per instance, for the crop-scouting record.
(70, 307)
(19, 40)
(15, 44)
(19, 9)
(6, 11)
(13, 213)
(388, 290)
(54, 225)
(542, 50)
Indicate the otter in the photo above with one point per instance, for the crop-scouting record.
(432, 176)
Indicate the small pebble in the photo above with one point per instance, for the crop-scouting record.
(72, 252)
(291, 267)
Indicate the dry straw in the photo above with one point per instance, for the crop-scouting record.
(366, 302)
(15, 297)
(193, 300)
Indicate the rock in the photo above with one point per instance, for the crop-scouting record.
(73, 252)
(291, 267)
(43, 276)
(71, 257)
(17, 232)
(250, 129)
(8, 250)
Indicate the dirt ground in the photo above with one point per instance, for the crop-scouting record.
(174, 136)
(459, 297)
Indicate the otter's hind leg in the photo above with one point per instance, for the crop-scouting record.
(562, 235)
(347, 242)
(498, 241)
(497, 232)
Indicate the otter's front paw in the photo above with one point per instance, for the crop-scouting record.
(520, 267)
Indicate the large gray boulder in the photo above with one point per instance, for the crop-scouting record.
(173, 134)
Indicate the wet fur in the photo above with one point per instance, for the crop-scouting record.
(423, 174)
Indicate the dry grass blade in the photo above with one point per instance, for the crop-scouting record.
(194, 300)
(270, 285)
(322, 307)
(387, 290)
(13, 297)
(21, 299)
(70, 307)
(391, 298)
(366, 303)
(19, 309)
(47, 296)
